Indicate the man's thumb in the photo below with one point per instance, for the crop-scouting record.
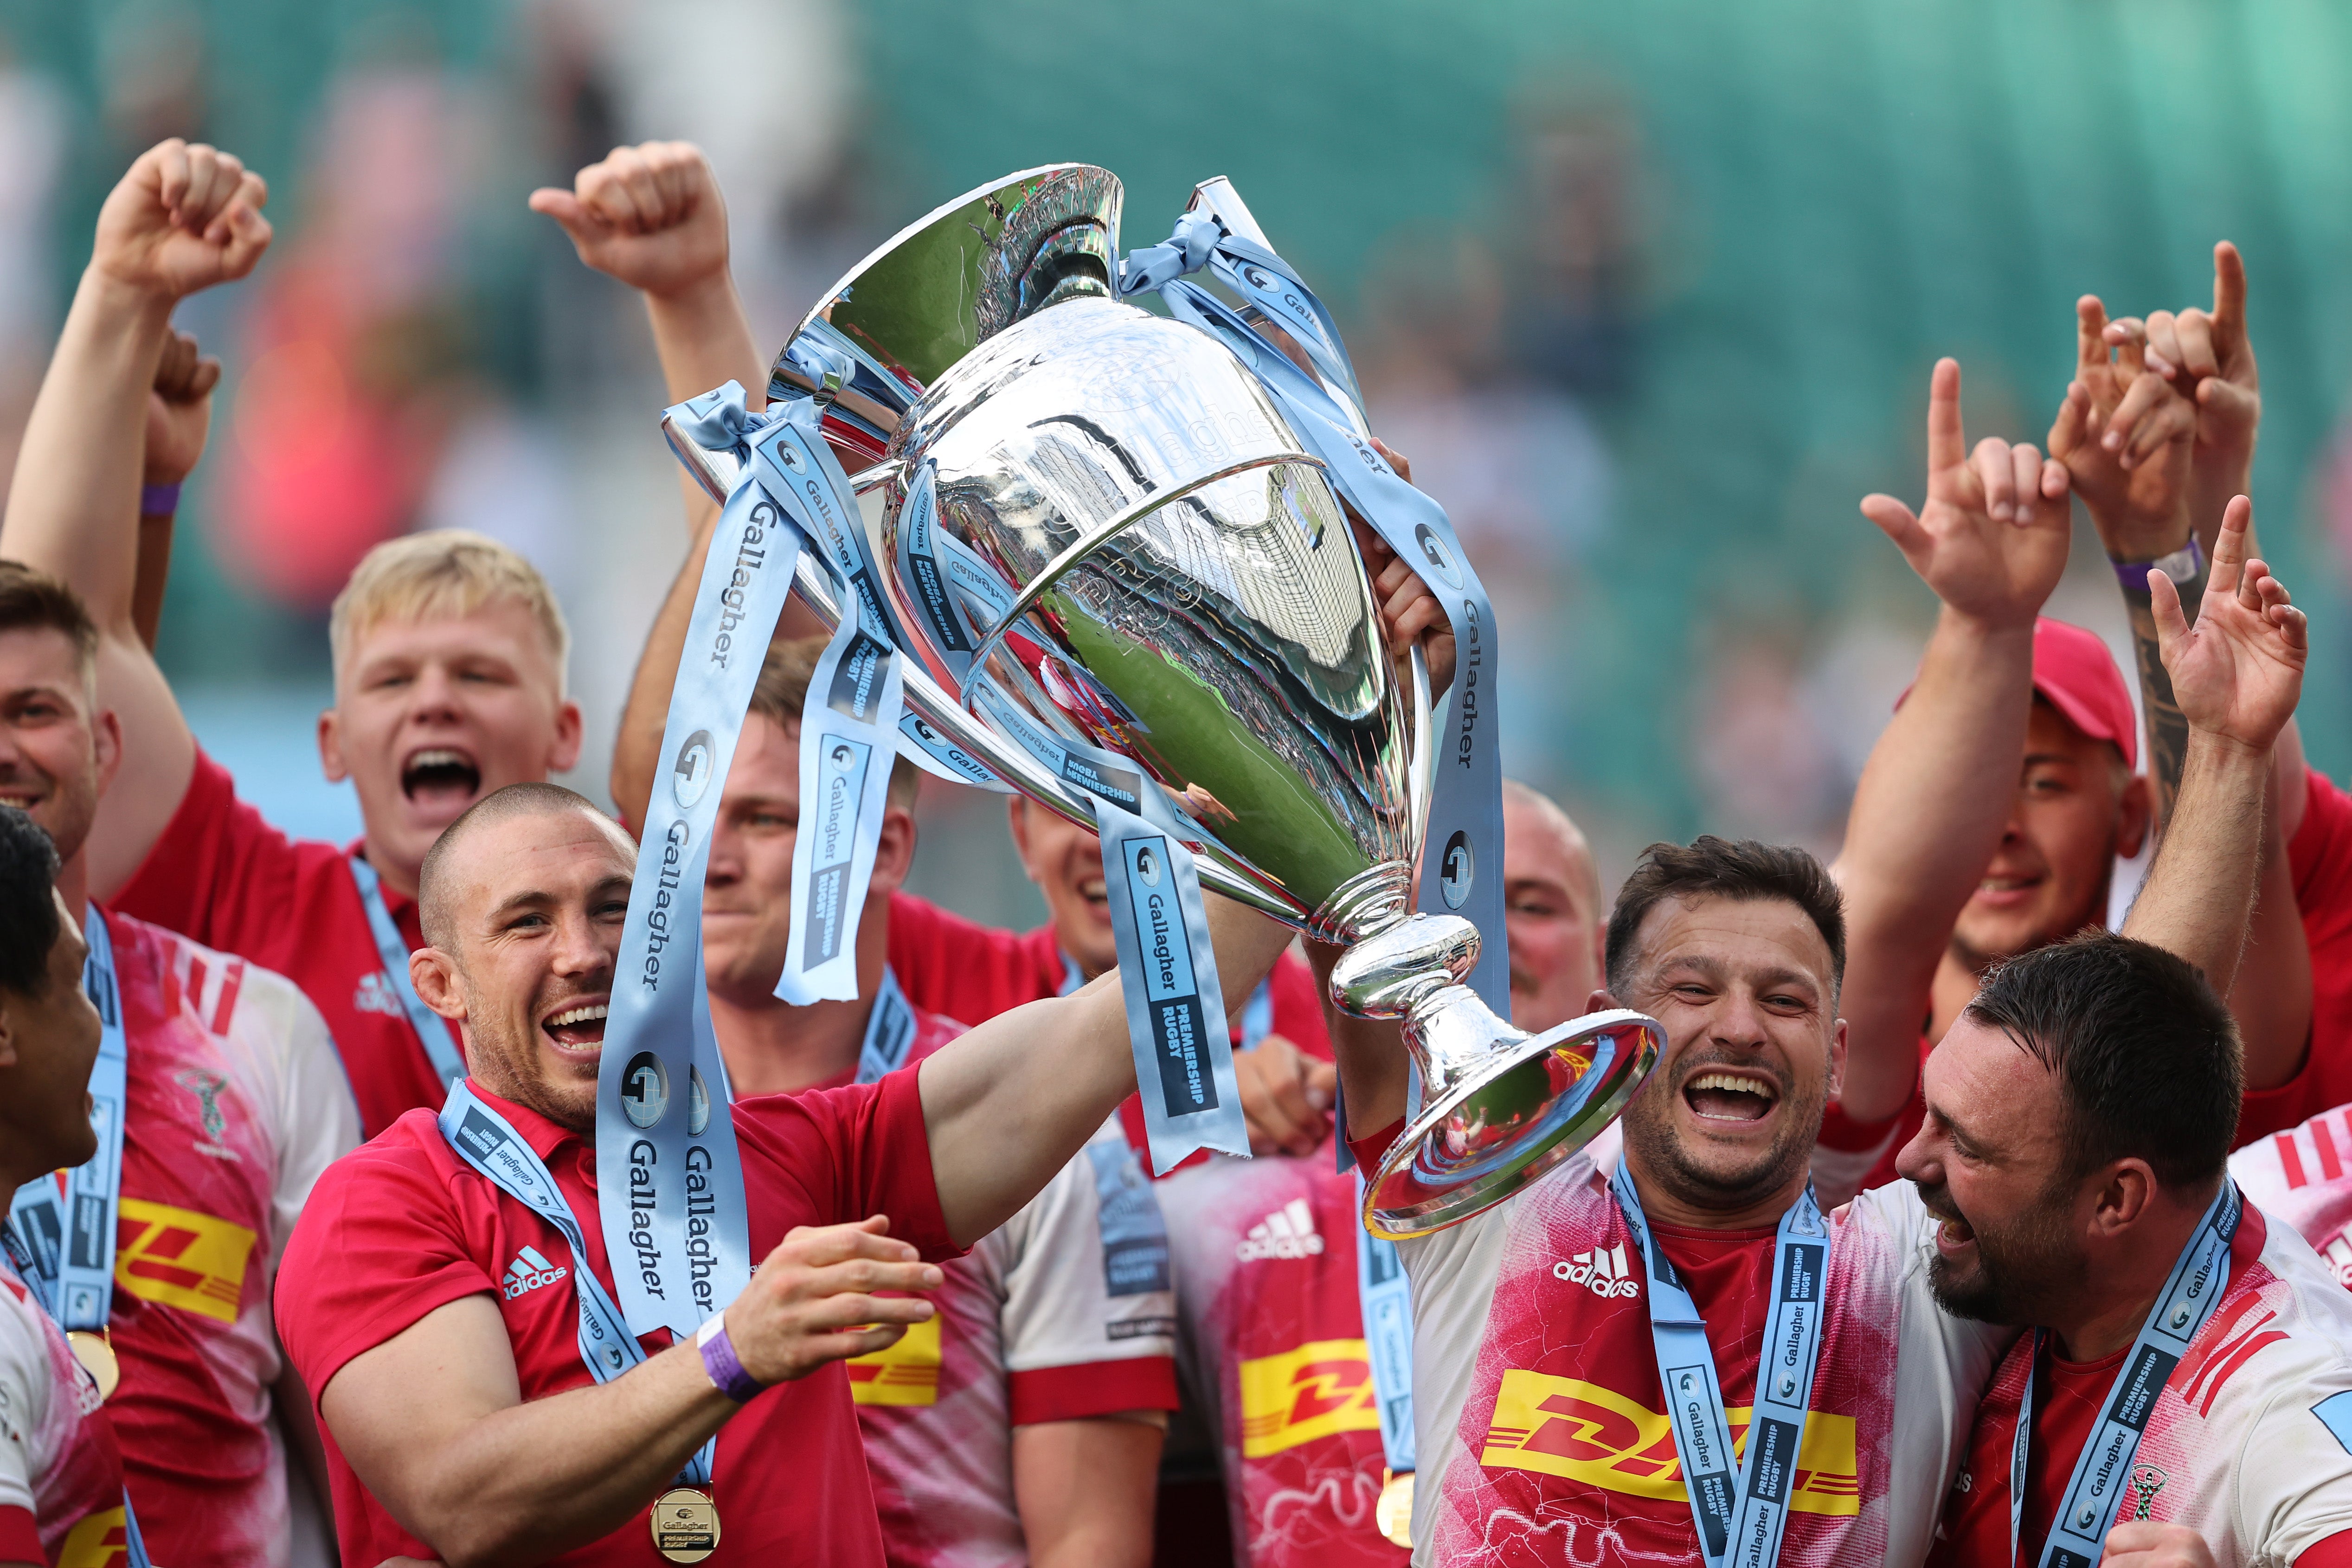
(565, 209)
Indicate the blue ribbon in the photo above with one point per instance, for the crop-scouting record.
(391, 950)
(1739, 1524)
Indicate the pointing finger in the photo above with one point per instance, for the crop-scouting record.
(2229, 293)
(1946, 442)
(2230, 547)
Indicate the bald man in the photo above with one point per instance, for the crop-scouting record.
(432, 1309)
(1552, 909)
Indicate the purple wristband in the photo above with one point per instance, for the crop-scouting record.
(2185, 564)
(727, 1373)
(159, 501)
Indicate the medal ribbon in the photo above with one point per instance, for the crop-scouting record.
(1739, 1524)
(432, 1029)
(488, 1142)
(1385, 1295)
(1465, 811)
(673, 1210)
(849, 739)
(2094, 1492)
(65, 1221)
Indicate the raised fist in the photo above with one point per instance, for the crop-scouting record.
(1992, 538)
(184, 217)
(650, 216)
(179, 410)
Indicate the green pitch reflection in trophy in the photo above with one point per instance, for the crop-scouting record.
(1094, 525)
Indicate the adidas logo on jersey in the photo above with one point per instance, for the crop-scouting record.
(1287, 1232)
(528, 1271)
(1602, 1271)
(375, 994)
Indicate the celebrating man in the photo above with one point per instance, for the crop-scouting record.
(61, 1498)
(449, 657)
(228, 1102)
(444, 1321)
(1025, 1420)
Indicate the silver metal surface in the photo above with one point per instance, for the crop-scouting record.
(1148, 563)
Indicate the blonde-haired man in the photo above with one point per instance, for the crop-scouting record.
(449, 657)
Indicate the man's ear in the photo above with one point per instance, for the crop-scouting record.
(564, 755)
(894, 856)
(8, 1058)
(2133, 813)
(2126, 1197)
(1837, 1059)
(331, 748)
(435, 974)
(106, 740)
(1600, 1001)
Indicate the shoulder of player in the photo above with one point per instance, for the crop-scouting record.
(227, 994)
(2276, 1345)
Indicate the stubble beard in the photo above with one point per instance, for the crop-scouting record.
(513, 1069)
(1650, 1140)
(2021, 1272)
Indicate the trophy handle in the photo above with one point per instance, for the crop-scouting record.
(1087, 544)
(934, 707)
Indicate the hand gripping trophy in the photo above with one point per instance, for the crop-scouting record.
(1105, 551)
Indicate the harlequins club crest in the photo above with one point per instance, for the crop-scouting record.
(2147, 1480)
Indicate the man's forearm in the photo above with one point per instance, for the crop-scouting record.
(1085, 1491)
(1375, 1072)
(529, 1482)
(637, 745)
(2200, 894)
(73, 505)
(2167, 732)
(1926, 817)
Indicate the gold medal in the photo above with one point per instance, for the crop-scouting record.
(97, 1357)
(686, 1525)
(1393, 1512)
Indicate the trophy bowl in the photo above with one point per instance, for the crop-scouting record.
(1094, 526)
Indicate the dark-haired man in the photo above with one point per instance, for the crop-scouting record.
(61, 1498)
(230, 1102)
(454, 1386)
(2191, 1363)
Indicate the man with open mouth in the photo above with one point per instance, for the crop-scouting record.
(431, 1307)
(449, 655)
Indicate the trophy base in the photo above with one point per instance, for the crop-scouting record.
(1513, 1107)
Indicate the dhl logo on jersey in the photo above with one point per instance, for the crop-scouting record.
(906, 1374)
(98, 1541)
(1583, 1432)
(180, 1259)
(1322, 1387)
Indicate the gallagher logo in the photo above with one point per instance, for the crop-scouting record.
(1583, 1432)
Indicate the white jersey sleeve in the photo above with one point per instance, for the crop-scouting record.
(26, 1386)
(1086, 1281)
(317, 1118)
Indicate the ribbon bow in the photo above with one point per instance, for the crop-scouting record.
(1188, 250)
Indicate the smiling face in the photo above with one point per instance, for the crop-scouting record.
(55, 752)
(1551, 913)
(1990, 1161)
(431, 715)
(1745, 989)
(525, 935)
(1066, 862)
(2077, 810)
(49, 1043)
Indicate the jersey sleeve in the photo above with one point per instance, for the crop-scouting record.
(318, 1122)
(376, 1249)
(1089, 1317)
(216, 864)
(869, 1155)
(2295, 1485)
(24, 1389)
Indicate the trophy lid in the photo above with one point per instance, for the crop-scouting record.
(942, 286)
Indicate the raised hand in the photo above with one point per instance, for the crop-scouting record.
(2123, 433)
(1991, 538)
(184, 217)
(813, 1300)
(650, 216)
(1409, 612)
(179, 410)
(2237, 675)
(2207, 355)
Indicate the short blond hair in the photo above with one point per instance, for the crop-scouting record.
(782, 692)
(444, 572)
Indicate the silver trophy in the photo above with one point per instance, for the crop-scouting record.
(1093, 522)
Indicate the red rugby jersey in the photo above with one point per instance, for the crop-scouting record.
(404, 1226)
(224, 877)
(237, 1105)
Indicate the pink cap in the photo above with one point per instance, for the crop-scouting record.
(2074, 671)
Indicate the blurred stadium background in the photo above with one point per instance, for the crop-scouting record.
(1648, 293)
